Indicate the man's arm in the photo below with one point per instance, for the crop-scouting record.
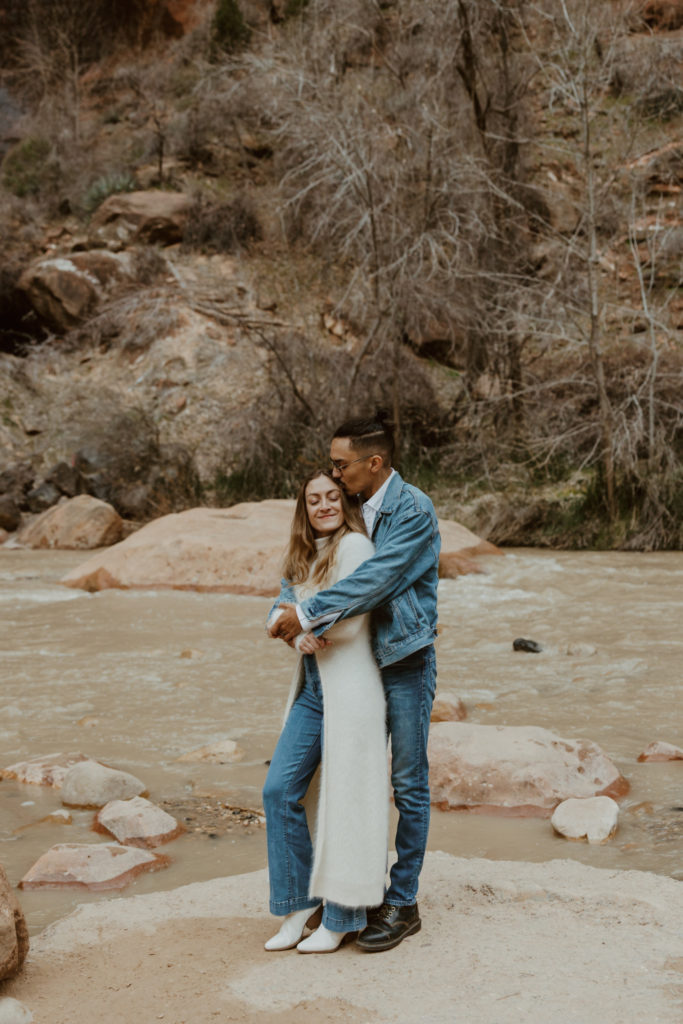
(380, 578)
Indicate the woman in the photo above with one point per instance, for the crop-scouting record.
(335, 714)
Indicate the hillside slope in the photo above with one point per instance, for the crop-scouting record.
(230, 226)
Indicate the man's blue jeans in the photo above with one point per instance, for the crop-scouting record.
(290, 851)
(409, 687)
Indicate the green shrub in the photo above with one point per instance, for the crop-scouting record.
(294, 7)
(23, 169)
(108, 185)
(230, 31)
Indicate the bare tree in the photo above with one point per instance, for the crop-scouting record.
(392, 181)
(412, 142)
(577, 75)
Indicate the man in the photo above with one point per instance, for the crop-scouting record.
(399, 585)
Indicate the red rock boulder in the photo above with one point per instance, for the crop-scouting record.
(515, 770)
(80, 522)
(238, 550)
(661, 751)
(64, 290)
(94, 866)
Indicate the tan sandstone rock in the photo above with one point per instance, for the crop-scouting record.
(517, 770)
(3, 535)
(80, 522)
(47, 770)
(137, 822)
(448, 707)
(92, 866)
(236, 550)
(152, 217)
(661, 751)
(90, 784)
(13, 931)
(223, 752)
(460, 548)
(594, 818)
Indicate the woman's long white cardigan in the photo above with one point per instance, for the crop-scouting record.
(352, 820)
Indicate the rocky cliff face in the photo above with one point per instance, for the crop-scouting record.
(176, 289)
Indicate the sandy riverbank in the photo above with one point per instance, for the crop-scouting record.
(502, 943)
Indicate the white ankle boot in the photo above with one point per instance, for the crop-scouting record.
(322, 941)
(291, 931)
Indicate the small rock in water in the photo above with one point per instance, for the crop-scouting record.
(60, 817)
(90, 784)
(661, 751)
(594, 819)
(530, 646)
(14, 1012)
(137, 822)
(223, 752)
(575, 650)
(88, 721)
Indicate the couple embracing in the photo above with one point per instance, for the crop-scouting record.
(359, 603)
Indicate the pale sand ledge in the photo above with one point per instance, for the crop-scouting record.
(502, 943)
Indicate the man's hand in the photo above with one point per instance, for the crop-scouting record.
(287, 625)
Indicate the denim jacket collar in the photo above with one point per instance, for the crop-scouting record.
(392, 495)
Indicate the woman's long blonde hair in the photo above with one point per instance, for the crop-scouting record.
(303, 551)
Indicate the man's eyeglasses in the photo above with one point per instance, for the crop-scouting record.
(341, 466)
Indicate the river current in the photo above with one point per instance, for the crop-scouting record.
(138, 678)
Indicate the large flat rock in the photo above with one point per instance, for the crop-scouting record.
(93, 866)
(237, 550)
(44, 770)
(524, 771)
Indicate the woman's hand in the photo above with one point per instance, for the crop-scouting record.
(309, 643)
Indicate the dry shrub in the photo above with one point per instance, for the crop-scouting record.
(647, 71)
(559, 452)
(217, 226)
(120, 459)
(288, 433)
(130, 324)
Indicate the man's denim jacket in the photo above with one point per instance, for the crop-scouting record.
(398, 584)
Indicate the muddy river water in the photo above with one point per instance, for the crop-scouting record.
(137, 679)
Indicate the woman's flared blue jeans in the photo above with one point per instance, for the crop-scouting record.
(290, 851)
